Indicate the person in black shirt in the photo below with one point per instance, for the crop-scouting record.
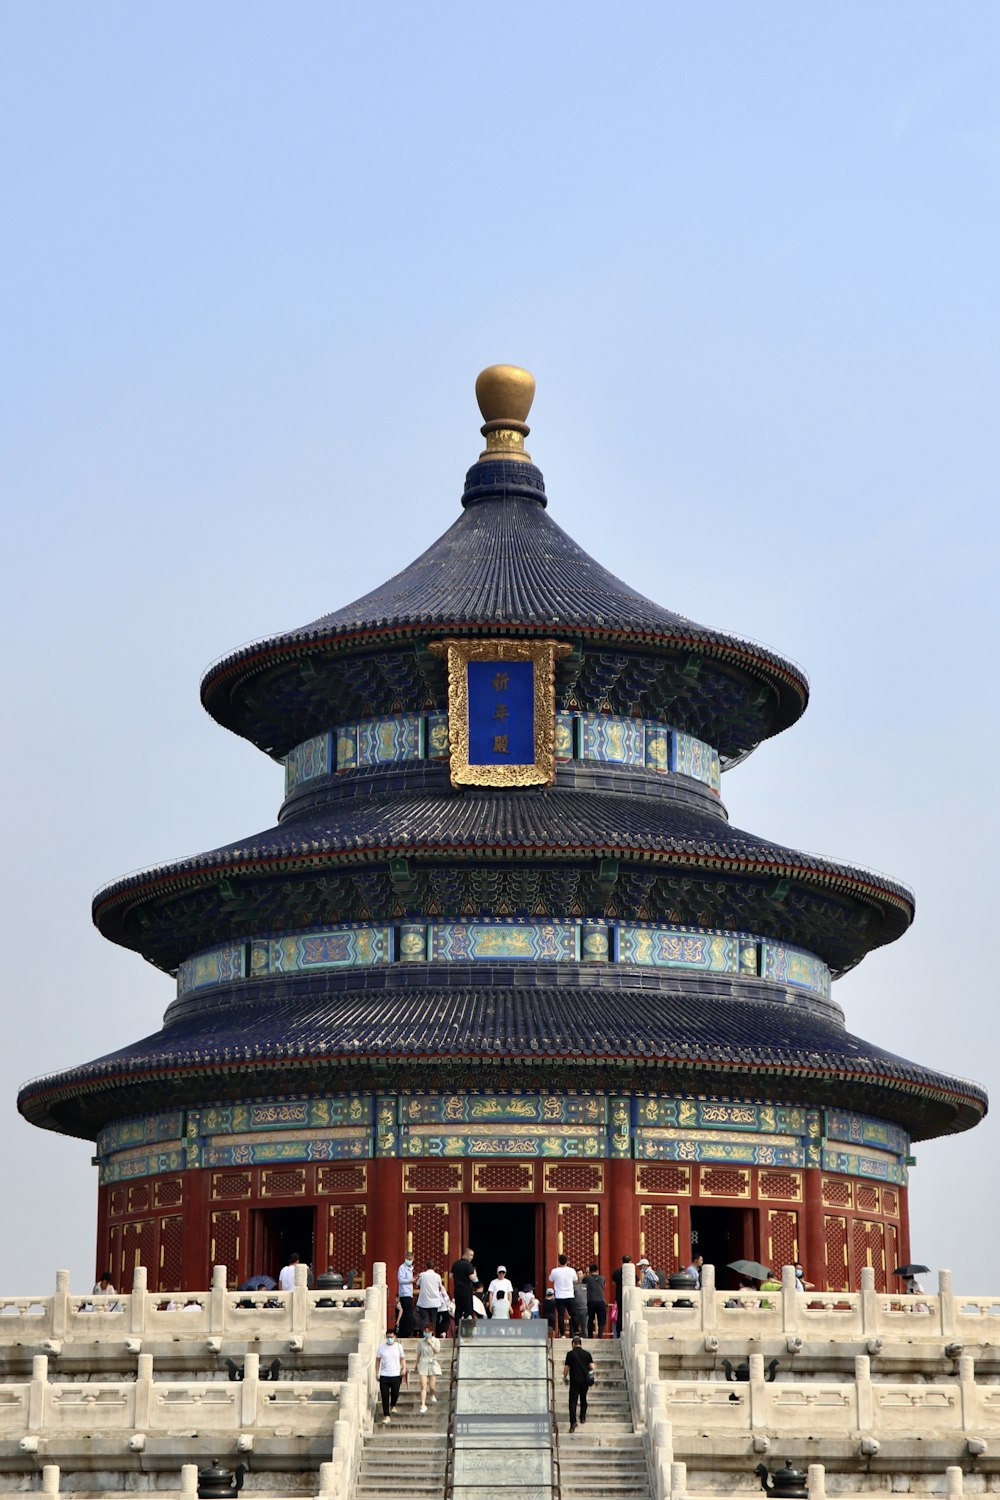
(463, 1274)
(578, 1374)
(597, 1304)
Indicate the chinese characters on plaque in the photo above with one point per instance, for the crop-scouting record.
(501, 711)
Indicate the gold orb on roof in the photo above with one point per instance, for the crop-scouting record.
(505, 394)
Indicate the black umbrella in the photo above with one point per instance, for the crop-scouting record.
(750, 1268)
(911, 1270)
(258, 1284)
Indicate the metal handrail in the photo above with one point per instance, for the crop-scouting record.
(449, 1463)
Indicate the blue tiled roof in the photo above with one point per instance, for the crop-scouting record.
(544, 824)
(672, 1028)
(503, 564)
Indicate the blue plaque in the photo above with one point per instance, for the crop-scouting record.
(501, 713)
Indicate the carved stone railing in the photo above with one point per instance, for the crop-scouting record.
(952, 1487)
(124, 1416)
(188, 1487)
(791, 1315)
(213, 1315)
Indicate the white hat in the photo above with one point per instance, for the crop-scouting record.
(501, 1268)
(643, 1262)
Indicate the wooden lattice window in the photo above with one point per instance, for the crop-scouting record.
(432, 1177)
(659, 1238)
(835, 1246)
(890, 1203)
(573, 1177)
(138, 1197)
(724, 1182)
(892, 1249)
(346, 1177)
(868, 1198)
(663, 1179)
(786, 1186)
(171, 1252)
(224, 1246)
(283, 1182)
(117, 1202)
(782, 1238)
(503, 1177)
(168, 1192)
(579, 1236)
(231, 1184)
(837, 1192)
(427, 1234)
(348, 1237)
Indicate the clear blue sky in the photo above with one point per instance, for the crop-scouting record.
(253, 257)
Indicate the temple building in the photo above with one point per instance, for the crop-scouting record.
(502, 973)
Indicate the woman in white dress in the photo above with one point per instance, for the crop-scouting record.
(428, 1367)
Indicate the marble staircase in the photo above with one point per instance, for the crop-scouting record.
(407, 1459)
(605, 1456)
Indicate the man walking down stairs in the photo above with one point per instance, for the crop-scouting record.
(407, 1458)
(604, 1458)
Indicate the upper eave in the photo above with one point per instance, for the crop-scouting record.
(503, 568)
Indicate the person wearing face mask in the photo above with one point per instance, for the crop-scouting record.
(428, 1367)
(391, 1362)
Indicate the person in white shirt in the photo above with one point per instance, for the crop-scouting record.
(430, 1291)
(499, 1284)
(529, 1302)
(390, 1359)
(501, 1304)
(286, 1276)
(563, 1278)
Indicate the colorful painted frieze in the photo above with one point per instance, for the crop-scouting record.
(865, 1164)
(684, 948)
(691, 757)
(147, 1130)
(565, 738)
(337, 948)
(541, 1109)
(662, 1145)
(612, 740)
(343, 1145)
(314, 757)
(796, 967)
(436, 736)
(390, 740)
(216, 966)
(524, 1141)
(127, 1167)
(657, 741)
(862, 1130)
(279, 1114)
(450, 942)
(715, 1114)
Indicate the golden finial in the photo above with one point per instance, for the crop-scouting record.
(505, 394)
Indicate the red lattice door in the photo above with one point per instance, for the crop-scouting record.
(869, 1250)
(227, 1241)
(138, 1249)
(348, 1239)
(659, 1236)
(782, 1238)
(427, 1234)
(171, 1252)
(578, 1228)
(835, 1245)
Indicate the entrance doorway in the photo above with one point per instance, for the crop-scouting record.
(506, 1234)
(277, 1233)
(722, 1235)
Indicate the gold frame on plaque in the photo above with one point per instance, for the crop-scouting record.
(542, 770)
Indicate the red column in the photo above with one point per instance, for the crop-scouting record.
(386, 1227)
(813, 1249)
(621, 1234)
(196, 1274)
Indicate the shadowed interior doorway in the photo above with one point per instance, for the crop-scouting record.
(276, 1233)
(722, 1235)
(507, 1234)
